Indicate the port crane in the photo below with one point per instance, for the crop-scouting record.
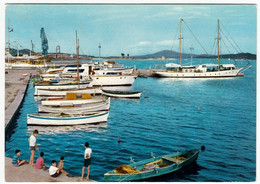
(45, 46)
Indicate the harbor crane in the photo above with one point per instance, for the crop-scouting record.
(45, 46)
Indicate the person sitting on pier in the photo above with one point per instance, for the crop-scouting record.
(40, 162)
(61, 165)
(54, 170)
(17, 161)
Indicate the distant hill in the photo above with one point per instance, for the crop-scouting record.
(166, 54)
(173, 54)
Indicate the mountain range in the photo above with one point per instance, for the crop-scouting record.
(173, 54)
(165, 54)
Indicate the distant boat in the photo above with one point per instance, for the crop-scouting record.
(200, 71)
(152, 167)
(122, 94)
(48, 119)
(76, 109)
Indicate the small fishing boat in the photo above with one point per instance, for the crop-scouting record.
(60, 85)
(73, 99)
(122, 94)
(63, 92)
(76, 109)
(62, 119)
(152, 167)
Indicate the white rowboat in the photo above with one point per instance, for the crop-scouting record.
(79, 109)
(63, 92)
(65, 119)
(64, 102)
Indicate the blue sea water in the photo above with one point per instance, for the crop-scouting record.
(171, 115)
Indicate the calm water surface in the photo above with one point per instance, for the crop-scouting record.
(166, 119)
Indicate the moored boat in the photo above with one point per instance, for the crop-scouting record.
(61, 85)
(76, 109)
(48, 119)
(63, 92)
(153, 167)
(73, 99)
(218, 70)
(122, 94)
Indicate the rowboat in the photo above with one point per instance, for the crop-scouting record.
(61, 85)
(80, 109)
(63, 92)
(69, 100)
(122, 94)
(153, 167)
(47, 119)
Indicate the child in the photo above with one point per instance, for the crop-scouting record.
(17, 161)
(87, 161)
(33, 146)
(61, 164)
(40, 162)
(53, 170)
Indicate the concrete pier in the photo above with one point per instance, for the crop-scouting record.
(27, 173)
(16, 82)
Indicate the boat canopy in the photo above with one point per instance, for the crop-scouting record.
(211, 65)
(172, 65)
(228, 65)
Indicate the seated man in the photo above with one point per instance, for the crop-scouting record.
(17, 161)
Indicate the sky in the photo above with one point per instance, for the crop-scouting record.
(131, 29)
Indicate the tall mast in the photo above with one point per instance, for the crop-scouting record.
(17, 55)
(218, 45)
(32, 45)
(77, 51)
(191, 48)
(99, 47)
(180, 39)
(9, 30)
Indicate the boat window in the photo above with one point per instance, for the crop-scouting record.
(72, 66)
(75, 70)
(111, 73)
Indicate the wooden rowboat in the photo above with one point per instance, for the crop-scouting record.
(153, 167)
(76, 109)
(73, 99)
(48, 119)
(122, 94)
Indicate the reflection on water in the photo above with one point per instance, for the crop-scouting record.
(48, 130)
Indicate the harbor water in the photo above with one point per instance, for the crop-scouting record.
(171, 115)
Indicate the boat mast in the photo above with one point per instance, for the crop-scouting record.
(191, 48)
(17, 54)
(9, 30)
(218, 45)
(77, 51)
(99, 47)
(180, 38)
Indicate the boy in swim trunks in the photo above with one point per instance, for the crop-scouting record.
(33, 146)
(87, 161)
